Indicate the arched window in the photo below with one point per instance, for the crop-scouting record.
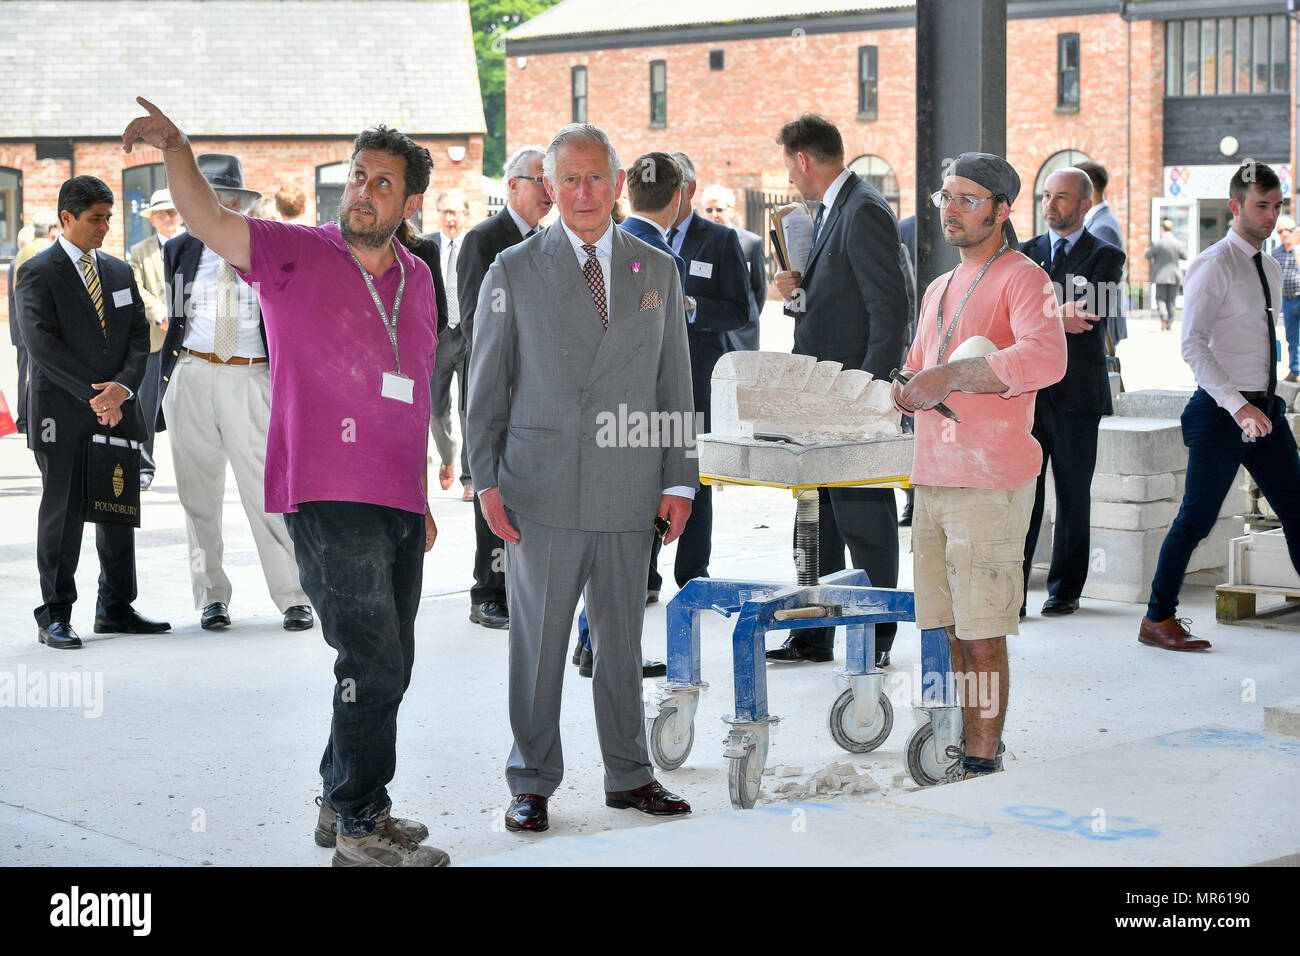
(330, 180)
(11, 210)
(880, 174)
(138, 186)
(1066, 157)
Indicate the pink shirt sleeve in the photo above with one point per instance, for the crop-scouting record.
(1037, 359)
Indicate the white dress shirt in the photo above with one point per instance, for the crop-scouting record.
(201, 327)
(75, 255)
(1225, 332)
(520, 222)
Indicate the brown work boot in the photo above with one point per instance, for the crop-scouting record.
(384, 846)
(1173, 634)
(402, 830)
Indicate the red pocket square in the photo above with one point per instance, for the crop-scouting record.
(651, 300)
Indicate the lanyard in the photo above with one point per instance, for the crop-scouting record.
(390, 326)
(945, 339)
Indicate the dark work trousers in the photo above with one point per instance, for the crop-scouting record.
(148, 399)
(58, 544)
(20, 411)
(489, 562)
(866, 520)
(362, 566)
(694, 546)
(1069, 441)
(1215, 450)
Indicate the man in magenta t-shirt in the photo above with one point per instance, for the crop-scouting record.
(351, 328)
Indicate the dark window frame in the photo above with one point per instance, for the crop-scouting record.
(868, 82)
(659, 98)
(17, 212)
(578, 101)
(1067, 93)
(1238, 44)
(717, 59)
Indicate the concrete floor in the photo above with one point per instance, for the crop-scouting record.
(198, 747)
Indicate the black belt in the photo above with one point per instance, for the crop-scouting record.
(1254, 396)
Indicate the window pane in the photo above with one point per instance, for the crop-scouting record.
(329, 190)
(580, 81)
(867, 79)
(1243, 54)
(1281, 47)
(1261, 53)
(1208, 51)
(1191, 52)
(138, 186)
(1173, 59)
(1225, 55)
(11, 181)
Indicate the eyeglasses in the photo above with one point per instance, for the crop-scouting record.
(716, 208)
(967, 203)
(531, 179)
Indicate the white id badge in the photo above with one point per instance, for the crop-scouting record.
(702, 269)
(121, 298)
(398, 387)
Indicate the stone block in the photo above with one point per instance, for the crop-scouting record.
(1234, 502)
(1123, 562)
(1284, 716)
(1110, 487)
(1152, 403)
(788, 465)
(1134, 515)
(1289, 391)
(1140, 446)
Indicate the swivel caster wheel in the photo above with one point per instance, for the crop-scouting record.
(851, 736)
(670, 742)
(744, 778)
(927, 767)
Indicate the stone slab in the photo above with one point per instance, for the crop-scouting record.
(1111, 487)
(1140, 446)
(1123, 562)
(1289, 391)
(1152, 403)
(1283, 717)
(1133, 515)
(788, 465)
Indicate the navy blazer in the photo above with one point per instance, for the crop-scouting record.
(69, 351)
(1098, 267)
(648, 233)
(180, 265)
(855, 305)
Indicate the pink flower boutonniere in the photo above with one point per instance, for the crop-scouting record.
(636, 267)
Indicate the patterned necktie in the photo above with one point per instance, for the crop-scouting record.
(226, 336)
(453, 297)
(672, 238)
(96, 293)
(596, 282)
(1058, 255)
(1272, 332)
(817, 223)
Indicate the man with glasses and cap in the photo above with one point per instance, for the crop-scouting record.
(975, 477)
(216, 398)
(147, 265)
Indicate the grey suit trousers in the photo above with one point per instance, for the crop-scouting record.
(545, 575)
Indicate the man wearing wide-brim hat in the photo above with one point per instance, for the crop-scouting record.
(216, 401)
(146, 262)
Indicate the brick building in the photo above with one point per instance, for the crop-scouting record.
(1169, 95)
(284, 84)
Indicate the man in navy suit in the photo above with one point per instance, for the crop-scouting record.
(850, 305)
(717, 302)
(1086, 275)
(87, 338)
(719, 204)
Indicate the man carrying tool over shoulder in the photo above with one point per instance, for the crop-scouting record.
(975, 477)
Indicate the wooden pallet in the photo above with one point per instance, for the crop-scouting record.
(1235, 604)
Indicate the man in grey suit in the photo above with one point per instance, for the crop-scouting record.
(579, 342)
(1103, 224)
(1164, 254)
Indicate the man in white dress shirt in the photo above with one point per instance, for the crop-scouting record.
(216, 399)
(1231, 299)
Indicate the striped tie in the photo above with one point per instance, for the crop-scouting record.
(96, 294)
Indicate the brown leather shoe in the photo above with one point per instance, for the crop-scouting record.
(651, 798)
(527, 811)
(1173, 634)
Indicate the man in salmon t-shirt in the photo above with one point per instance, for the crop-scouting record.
(975, 478)
(351, 327)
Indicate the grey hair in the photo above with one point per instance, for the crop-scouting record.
(1085, 185)
(688, 168)
(43, 220)
(517, 164)
(728, 194)
(579, 133)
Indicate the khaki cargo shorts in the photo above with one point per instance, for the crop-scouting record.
(968, 552)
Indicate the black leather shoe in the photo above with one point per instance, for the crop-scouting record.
(1024, 612)
(490, 614)
(133, 623)
(527, 811)
(653, 668)
(214, 615)
(651, 596)
(586, 661)
(792, 652)
(60, 636)
(298, 618)
(651, 798)
(577, 653)
(882, 659)
(1055, 607)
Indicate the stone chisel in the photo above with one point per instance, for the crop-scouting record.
(941, 408)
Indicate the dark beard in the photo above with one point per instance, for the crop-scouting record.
(374, 237)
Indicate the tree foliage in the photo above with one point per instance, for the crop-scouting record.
(491, 20)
